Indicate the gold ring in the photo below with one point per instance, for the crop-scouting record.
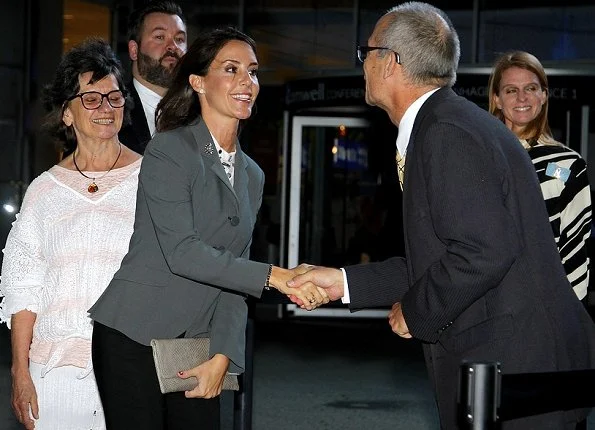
(312, 300)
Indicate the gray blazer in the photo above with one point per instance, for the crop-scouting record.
(187, 268)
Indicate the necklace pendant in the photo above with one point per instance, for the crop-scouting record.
(93, 188)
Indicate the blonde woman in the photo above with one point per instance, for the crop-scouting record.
(518, 92)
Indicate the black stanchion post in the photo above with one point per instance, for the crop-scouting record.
(242, 405)
(479, 395)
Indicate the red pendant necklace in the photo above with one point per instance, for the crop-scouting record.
(93, 188)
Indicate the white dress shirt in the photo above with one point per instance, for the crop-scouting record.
(228, 160)
(149, 99)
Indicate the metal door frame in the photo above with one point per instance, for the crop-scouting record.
(292, 216)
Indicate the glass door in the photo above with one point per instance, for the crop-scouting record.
(338, 209)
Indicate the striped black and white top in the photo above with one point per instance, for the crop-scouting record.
(564, 183)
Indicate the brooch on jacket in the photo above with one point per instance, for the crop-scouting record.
(209, 148)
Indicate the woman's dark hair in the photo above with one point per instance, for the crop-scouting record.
(93, 55)
(180, 106)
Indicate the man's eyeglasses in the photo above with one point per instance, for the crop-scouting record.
(93, 99)
(363, 51)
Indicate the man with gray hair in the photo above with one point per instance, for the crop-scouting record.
(482, 278)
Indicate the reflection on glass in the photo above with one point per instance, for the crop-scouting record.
(348, 216)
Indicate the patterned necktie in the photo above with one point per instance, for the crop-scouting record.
(400, 167)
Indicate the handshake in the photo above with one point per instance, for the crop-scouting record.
(308, 286)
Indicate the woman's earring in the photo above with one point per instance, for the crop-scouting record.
(201, 91)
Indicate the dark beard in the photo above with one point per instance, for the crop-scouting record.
(153, 71)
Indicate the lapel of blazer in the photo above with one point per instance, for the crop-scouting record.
(207, 149)
(139, 120)
(241, 179)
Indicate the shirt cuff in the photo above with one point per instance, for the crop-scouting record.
(346, 299)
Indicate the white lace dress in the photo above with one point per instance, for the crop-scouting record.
(61, 253)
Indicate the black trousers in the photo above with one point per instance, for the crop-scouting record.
(129, 390)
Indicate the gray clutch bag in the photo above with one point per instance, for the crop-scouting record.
(173, 355)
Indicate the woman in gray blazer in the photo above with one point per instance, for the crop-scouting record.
(187, 271)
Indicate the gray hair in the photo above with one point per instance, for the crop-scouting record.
(426, 41)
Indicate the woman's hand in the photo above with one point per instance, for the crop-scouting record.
(308, 296)
(210, 376)
(24, 398)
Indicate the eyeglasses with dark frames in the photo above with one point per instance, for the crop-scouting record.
(94, 99)
(363, 51)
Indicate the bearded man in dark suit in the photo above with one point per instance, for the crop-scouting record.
(156, 42)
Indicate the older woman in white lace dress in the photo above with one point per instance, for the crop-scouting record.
(68, 240)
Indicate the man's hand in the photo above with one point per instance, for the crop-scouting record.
(397, 321)
(307, 296)
(326, 279)
(210, 375)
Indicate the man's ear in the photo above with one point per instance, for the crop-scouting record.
(390, 65)
(133, 50)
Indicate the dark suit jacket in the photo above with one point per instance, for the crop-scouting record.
(483, 278)
(135, 135)
(187, 270)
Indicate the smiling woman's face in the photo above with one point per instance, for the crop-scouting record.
(99, 124)
(520, 98)
(231, 85)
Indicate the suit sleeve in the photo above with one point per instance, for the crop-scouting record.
(165, 180)
(467, 198)
(377, 285)
(228, 330)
